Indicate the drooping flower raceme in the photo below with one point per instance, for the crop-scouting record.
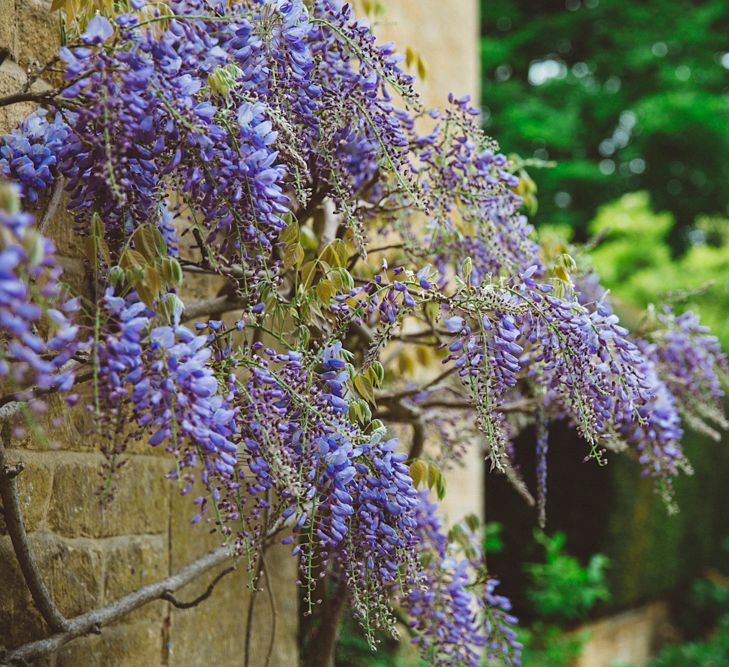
(29, 154)
(39, 337)
(269, 144)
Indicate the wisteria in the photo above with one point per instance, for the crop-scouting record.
(29, 155)
(270, 147)
(40, 339)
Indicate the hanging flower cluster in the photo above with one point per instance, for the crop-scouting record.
(39, 338)
(270, 144)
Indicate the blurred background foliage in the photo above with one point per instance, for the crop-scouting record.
(624, 96)
(629, 102)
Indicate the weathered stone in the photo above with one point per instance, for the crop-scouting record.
(135, 645)
(63, 231)
(38, 33)
(133, 562)
(223, 615)
(140, 505)
(72, 571)
(12, 79)
(34, 487)
(7, 26)
(59, 428)
(19, 619)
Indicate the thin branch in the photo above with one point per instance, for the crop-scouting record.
(12, 404)
(219, 270)
(274, 611)
(52, 205)
(94, 620)
(525, 405)
(214, 306)
(357, 256)
(40, 97)
(416, 390)
(331, 224)
(16, 529)
(200, 598)
(249, 617)
(39, 72)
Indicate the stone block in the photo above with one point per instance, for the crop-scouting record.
(64, 232)
(7, 26)
(135, 645)
(59, 428)
(19, 619)
(133, 562)
(140, 505)
(34, 487)
(12, 79)
(223, 617)
(72, 572)
(39, 33)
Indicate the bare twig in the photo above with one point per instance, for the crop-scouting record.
(19, 538)
(39, 72)
(249, 617)
(40, 97)
(214, 306)
(331, 224)
(200, 598)
(53, 205)
(12, 404)
(94, 620)
(416, 390)
(357, 256)
(274, 611)
(219, 270)
(525, 405)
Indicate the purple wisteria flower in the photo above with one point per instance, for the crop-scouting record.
(29, 154)
(36, 319)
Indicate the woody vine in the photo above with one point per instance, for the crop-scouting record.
(275, 146)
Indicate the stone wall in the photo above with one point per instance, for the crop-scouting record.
(89, 555)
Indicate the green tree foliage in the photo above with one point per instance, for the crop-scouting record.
(634, 258)
(624, 96)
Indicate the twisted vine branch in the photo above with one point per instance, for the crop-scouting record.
(93, 621)
(16, 529)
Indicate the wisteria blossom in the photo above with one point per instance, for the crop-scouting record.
(273, 145)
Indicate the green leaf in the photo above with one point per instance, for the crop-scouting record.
(325, 290)
(418, 472)
(441, 487)
(144, 242)
(293, 255)
(434, 475)
(377, 373)
(290, 233)
(365, 388)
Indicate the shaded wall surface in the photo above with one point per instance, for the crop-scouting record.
(89, 555)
